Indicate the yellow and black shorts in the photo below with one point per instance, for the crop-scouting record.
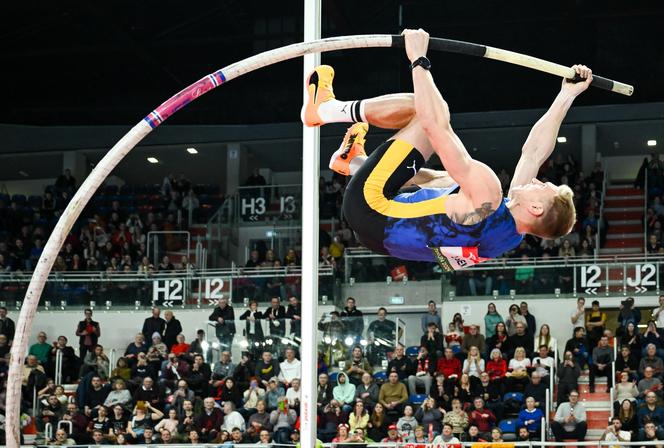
(369, 201)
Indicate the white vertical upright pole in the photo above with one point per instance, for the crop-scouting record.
(310, 174)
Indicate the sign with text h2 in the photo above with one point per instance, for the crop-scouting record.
(168, 291)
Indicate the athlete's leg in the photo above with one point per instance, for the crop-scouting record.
(393, 111)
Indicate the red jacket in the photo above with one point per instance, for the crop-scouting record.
(496, 369)
(483, 424)
(449, 367)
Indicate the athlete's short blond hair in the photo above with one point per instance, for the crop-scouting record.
(558, 220)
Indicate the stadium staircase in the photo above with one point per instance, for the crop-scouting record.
(624, 212)
(598, 405)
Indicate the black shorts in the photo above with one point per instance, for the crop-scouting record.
(367, 199)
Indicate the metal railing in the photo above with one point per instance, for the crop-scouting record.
(58, 367)
(528, 444)
(645, 214)
(158, 250)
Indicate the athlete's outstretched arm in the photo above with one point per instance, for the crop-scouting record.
(542, 138)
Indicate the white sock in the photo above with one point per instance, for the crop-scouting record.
(335, 111)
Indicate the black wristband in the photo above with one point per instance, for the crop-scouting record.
(423, 62)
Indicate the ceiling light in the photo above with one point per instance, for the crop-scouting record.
(23, 173)
(652, 142)
(562, 139)
(153, 160)
(192, 150)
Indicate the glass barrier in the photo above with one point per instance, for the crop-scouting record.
(566, 276)
(185, 288)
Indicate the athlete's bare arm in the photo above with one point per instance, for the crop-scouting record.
(480, 188)
(542, 138)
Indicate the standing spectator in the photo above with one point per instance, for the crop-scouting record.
(401, 364)
(88, 331)
(491, 319)
(383, 332)
(431, 315)
(65, 182)
(224, 318)
(602, 360)
(570, 419)
(595, 325)
(153, 324)
(513, 318)
(579, 312)
(544, 338)
(628, 314)
(531, 322)
(658, 313)
(294, 313)
(650, 412)
(568, 376)
(425, 366)
(253, 329)
(172, 328)
(520, 338)
(353, 320)
(276, 317)
(578, 346)
(41, 348)
(69, 360)
(7, 326)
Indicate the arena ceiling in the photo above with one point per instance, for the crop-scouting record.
(83, 63)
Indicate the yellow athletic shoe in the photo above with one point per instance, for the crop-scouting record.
(351, 147)
(319, 87)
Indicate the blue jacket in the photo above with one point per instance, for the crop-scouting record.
(656, 416)
(536, 415)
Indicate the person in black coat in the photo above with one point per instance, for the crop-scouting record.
(172, 329)
(276, 315)
(520, 339)
(69, 360)
(253, 329)
(153, 324)
(294, 313)
(88, 332)
(224, 318)
(536, 389)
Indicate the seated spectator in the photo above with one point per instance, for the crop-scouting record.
(119, 395)
(51, 412)
(454, 337)
(627, 363)
(517, 370)
(473, 365)
(359, 417)
(466, 390)
(627, 415)
(473, 339)
(41, 348)
(430, 416)
(652, 336)
(531, 418)
(172, 371)
(251, 398)
(357, 366)
(650, 433)
(136, 347)
(188, 418)
(602, 359)
(419, 437)
(625, 390)
(499, 339)
(117, 422)
(651, 360)
(392, 435)
(520, 338)
(491, 393)
(432, 339)
(344, 392)
(228, 392)
(331, 417)
(367, 392)
(393, 395)
(144, 416)
(62, 438)
(94, 397)
(122, 370)
(170, 424)
(570, 419)
(450, 367)
(401, 364)
(259, 420)
(650, 413)
(440, 393)
(544, 362)
(568, 376)
(632, 339)
(224, 369)
(544, 338)
(210, 420)
(294, 394)
(148, 393)
(456, 418)
(199, 375)
(424, 368)
(482, 417)
(578, 346)
(232, 418)
(447, 436)
(496, 435)
(649, 383)
(324, 392)
(266, 368)
(142, 370)
(273, 393)
(407, 423)
(180, 347)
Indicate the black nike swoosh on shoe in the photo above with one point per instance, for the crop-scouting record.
(313, 79)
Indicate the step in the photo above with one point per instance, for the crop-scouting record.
(625, 222)
(625, 242)
(612, 202)
(621, 250)
(614, 197)
(625, 228)
(620, 208)
(624, 235)
(622, 190)
(595, 433)
(622, 215)
(597, 419)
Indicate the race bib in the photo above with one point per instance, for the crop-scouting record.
(456, 258)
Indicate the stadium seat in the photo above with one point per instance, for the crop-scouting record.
(417, 398)
(516, 396)
(507, 425)
(20, 199)
(412, 351)
(333, 377)
(380, 376)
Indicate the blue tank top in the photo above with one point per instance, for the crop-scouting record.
(412, 238)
